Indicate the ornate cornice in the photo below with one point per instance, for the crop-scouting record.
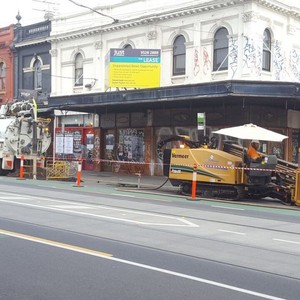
(30, 43)
(176, 13)
(250, 16)
(279, 7)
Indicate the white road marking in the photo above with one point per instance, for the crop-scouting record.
(234, 232)
(177, 222)
(287, 241)
(139, 265)
(129, 196)
(226, 207)
(49, 186)
(73, 206)
(15, 197)
(132, 196)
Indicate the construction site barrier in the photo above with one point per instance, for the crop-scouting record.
(58, 169)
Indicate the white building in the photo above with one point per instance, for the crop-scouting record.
(202, 43)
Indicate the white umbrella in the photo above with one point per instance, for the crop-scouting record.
(252, 132)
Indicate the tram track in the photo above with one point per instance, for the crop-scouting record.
(181, 215)
(99, 240)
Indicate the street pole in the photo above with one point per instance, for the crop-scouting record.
(34, 140)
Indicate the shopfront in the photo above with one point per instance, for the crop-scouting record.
(126, 140)
(133, 124)
(74, 138)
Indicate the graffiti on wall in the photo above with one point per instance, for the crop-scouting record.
(196, 62)
(233, 55)
(130, 148)
(279, 61)
(294, 65)
(131, 145)
(252, 57)
(206, 61)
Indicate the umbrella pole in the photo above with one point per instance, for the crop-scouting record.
(243, 162)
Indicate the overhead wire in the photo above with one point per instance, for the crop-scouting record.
(95, 11)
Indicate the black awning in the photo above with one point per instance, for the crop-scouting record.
(284, 93)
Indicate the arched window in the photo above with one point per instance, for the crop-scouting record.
(179, 53)
(37, 74)
(266, 59)
(221, 50)
(79, 70)
(2, 75)
(127, 46)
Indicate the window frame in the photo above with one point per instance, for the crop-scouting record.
(2, 76)
(78, 69)
(267, 47)
(127, 46)
(219, 47)
(37, 74)
(179, 56)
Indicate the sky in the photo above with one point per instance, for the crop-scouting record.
(33, 11)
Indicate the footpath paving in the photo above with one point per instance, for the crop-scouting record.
(160, 185)
(99, 182)
(143, 182)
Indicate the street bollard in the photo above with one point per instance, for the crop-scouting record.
(194, 182)
(139, 179)
(79, 168)
(21, 167)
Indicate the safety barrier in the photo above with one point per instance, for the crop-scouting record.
(290, 171)
(63, 169)
(58, 169)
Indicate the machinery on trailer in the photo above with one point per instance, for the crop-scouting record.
(229, 174)
(22, 134)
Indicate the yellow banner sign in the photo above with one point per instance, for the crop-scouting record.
(133, 68)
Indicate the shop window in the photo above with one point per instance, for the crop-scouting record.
(68, 144)
(74, 120)
(179, 54)
(88, 120)
(266, 59)
(131, 145)
(78, 70)
(2, 75)
(221, 50)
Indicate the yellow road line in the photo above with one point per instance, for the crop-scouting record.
(54, 244)
(139, 265)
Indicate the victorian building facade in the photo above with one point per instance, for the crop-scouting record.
(237, 61)
(6, 64)
(31, 51)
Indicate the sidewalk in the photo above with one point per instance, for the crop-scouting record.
(126, 180)
(159, 185)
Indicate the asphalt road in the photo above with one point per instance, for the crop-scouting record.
(63, 242)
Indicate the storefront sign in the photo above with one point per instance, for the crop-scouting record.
(201, 121)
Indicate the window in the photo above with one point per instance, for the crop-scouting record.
(2, 75)
(127, 46)
(78, 70)
(221, 50)
(179, 53)
(37, 75)
(266, 59)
